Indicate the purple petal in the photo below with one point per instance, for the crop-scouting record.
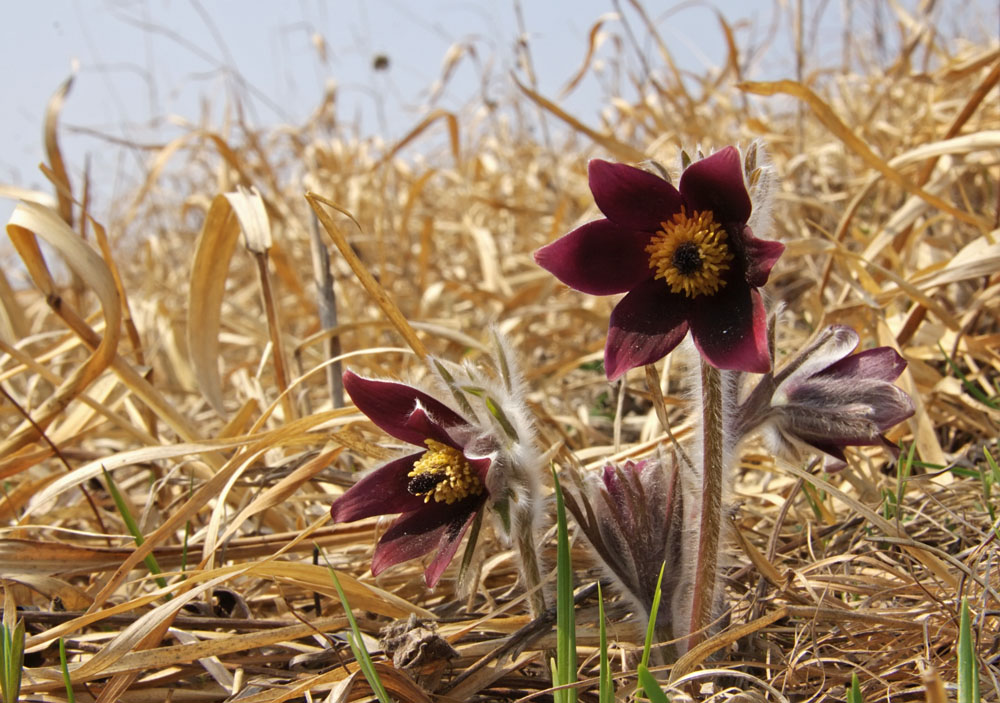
(645, 326)
(599, 258)
(630, 197)
(761, 255)
(833, 450)
(390, 406)
(832, 466)
(894, 406)
(382, 492)
(426, 426)
(613, 478)
(437, 525)
(883, 363)
(481, 465)
(846, 411)
(829, 346)
(449, 544)
(716, 183)
(730, 329)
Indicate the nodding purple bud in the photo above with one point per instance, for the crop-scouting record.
(827, 398)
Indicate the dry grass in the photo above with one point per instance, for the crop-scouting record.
(230, 448)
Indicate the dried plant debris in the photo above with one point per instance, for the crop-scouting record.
(197, 378)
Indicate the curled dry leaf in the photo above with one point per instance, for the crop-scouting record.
(252, 215)
(213, 252)
(28, 221)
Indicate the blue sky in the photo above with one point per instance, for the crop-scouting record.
(144, 65)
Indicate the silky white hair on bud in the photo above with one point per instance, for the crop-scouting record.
(496, 392)
(761, 182)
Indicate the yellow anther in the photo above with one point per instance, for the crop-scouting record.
(690, 253)
(443, 474)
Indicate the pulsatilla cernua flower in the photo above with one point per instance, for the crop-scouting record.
(632, 517)
(685, 257)
(829, 399)
(438, 490)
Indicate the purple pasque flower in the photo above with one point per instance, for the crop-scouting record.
(632, 517)
(685, 257)
(437, 490)
(827, 398)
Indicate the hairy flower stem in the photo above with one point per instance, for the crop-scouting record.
(703, 593)
(524, 542)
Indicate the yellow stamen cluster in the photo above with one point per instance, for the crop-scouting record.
(443, 474)
(690, 254)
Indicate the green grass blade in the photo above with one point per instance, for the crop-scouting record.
(985, 480)
(606, 690)
(651, 625)
(70, 696)
(187, 532)
(973, 390)
(854, 692)
(968, 669)
(470, 546)
(357, 645)
(184, 547)
(133, 528)
(814, 499)
(988, 480)
(565, 617)
(12, 658)
(17, 657)
(651, 686)
(903, 468)
(993, 465)
(5, 662)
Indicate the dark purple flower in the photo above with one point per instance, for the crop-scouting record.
(685, 257)
(438, 490)
(632, 517)
(828, 398)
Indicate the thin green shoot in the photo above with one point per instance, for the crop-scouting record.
(814, 499)
(187, 531)
(184, 547)
(988, 480)
(357, 645)
(653, 610)
(133, 528)
(70, 696)
(854, 692)
(470, 546)
(968, 669)
(961, 472)
(564, 672)
(606, 690)
(903, 468)
(973, 390)
(12, 659)
(994, 469)
(651, 686)
(888, 504)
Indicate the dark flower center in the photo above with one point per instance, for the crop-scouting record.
(687, 258)
(442, 473)
(422, 483)
(690, 254)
